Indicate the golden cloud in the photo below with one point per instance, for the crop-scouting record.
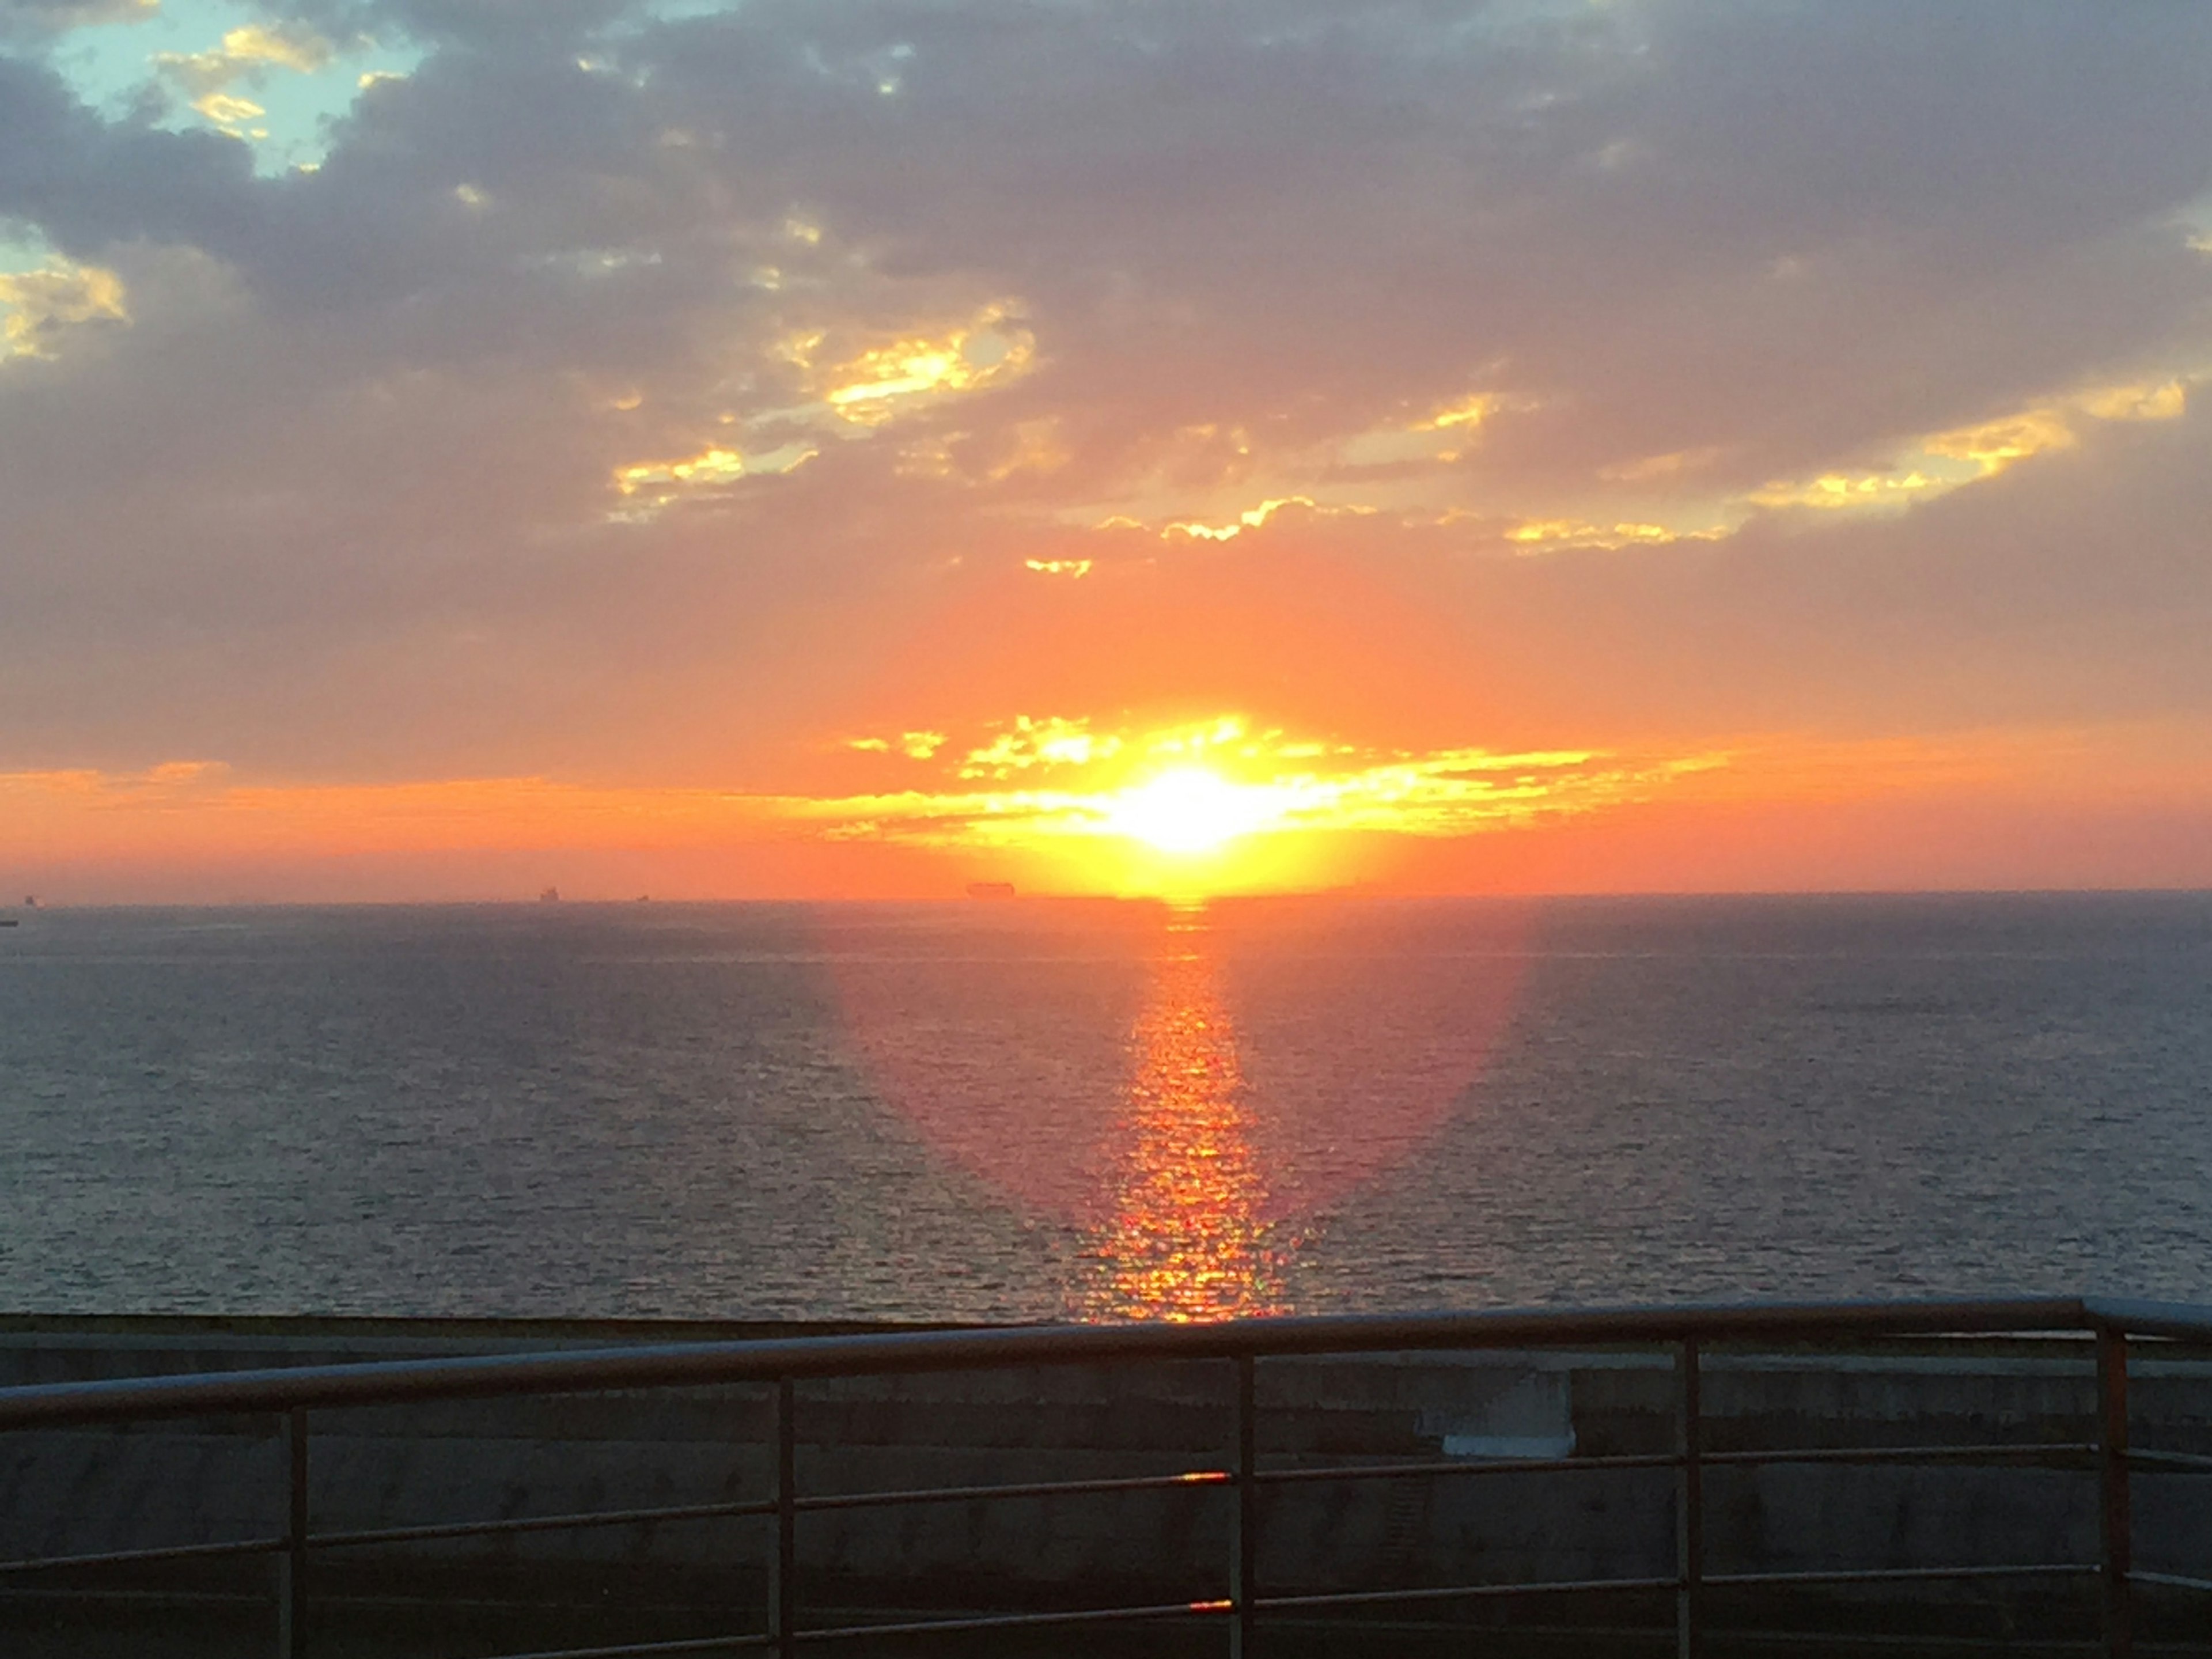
(1252, 518)
(653, 485)
(247, 54)
(38, 307)
(1218, 779)
(291, 46)
(1469, 412)
(1943, 461)
(2161, 400)
(915, 746)
(879, 382)
(1439, 793)
(1540, 535)
(228, 110)
(1026, 743)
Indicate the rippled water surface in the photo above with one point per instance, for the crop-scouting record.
(1039, 1108)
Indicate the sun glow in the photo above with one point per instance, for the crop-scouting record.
(1191, 810)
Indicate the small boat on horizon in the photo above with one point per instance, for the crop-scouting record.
(990, 889)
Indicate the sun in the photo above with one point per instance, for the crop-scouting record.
(1190, 811)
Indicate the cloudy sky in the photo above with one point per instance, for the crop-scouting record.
(856, 446)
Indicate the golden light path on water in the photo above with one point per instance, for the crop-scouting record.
(1185, 1239)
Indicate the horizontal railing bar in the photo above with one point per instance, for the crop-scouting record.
(1459, 1592)
(1472, 1466)
(166, 1552)
(2177, 1460)
(635, 1650)
(1902, 1575)
(1019, 1621)
(863, 1500)
(697, 1364)
(1969, 1453)
(317, 1541)
(2177, 1580)
(166, 1595)
(2179, 1322)
(1750, 1640)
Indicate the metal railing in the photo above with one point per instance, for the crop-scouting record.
(291, 1394)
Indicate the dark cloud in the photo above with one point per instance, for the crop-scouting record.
(88, 183)
(477, 22)
(37, 18)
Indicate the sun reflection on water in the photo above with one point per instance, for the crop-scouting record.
(1185, 1239)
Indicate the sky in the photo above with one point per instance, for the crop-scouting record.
(819, 448)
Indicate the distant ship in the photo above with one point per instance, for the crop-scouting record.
(550, 895)
(991, 890)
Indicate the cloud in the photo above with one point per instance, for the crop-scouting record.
(1942, 461)
(1255, 517)
(91, 185)
(656, 484)
(630, 393)
(246, 54)
(1547, 534)
(33, 17)
(1027, 742)
(39, 309)
(915, 746)
(246, 57)
(881, 382)
(1445, 793)
(1268, 787)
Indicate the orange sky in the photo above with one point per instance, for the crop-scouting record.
(2021, 809)
(813, 450)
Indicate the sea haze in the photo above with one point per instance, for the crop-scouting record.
(1039, 1108)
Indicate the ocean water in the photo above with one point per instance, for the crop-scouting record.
(1041, 1109)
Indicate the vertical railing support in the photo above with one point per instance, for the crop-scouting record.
(1244, 1540)
(292, 1561)
(1689, 1505)
(783, 1570)
(2116, 1529)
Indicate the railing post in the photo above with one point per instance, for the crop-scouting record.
(1689, 1506)
(783, 1569)
(2117, 1522)
(292, 1562)
(1244, 1531)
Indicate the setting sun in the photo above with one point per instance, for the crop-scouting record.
(1191, 810)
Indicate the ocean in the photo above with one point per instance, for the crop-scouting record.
(1037, 1108)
